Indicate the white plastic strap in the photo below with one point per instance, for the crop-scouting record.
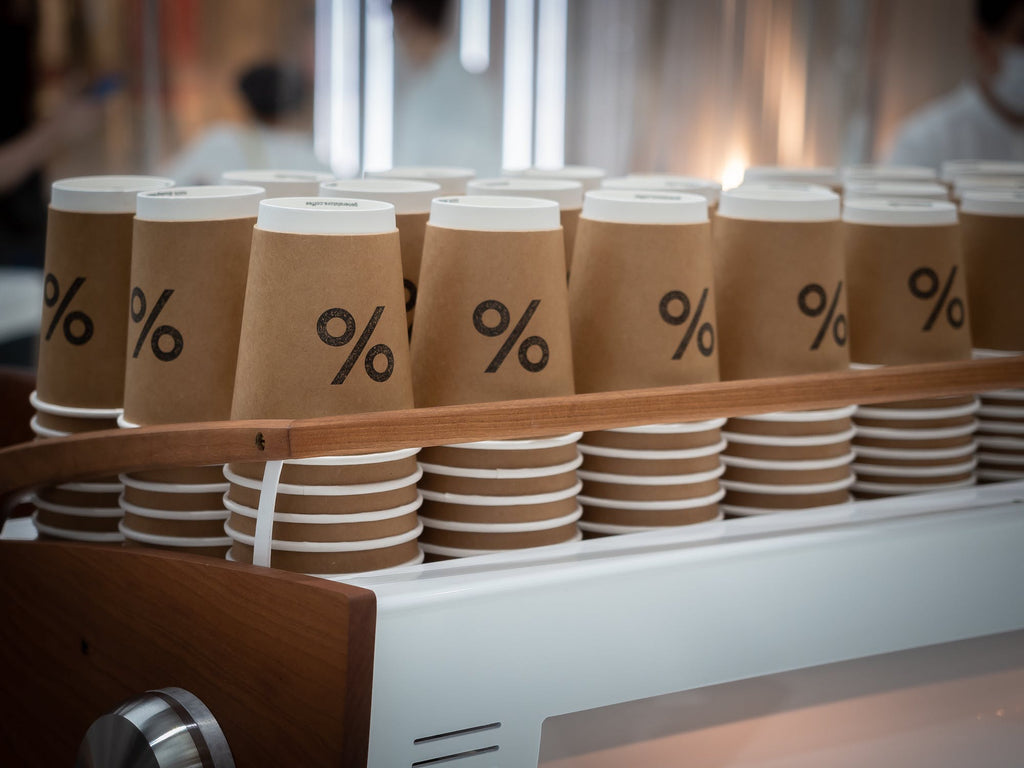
(265, 514)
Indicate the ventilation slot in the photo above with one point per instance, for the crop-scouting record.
(453, 734)
(456, 756)
(461, 733)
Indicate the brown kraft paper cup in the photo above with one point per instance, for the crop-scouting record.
(649, 467)
(73, 424)
(327, 505)
(352, 474)
(520, 540)
(788, 452)
(88, 264)
(762, 269)
(787, 476)
(518, 486)
(467, 277)
(178, 502)
(788, 428)
(863, 461)
(513, 513)
(639, 294)
(204, 263)
(785, 500)
(624, 492)
(333, 562)
(305, 294)
(650, 517)
(900, 312)
(76, 523)
(411, 230)
(378, 529)
(194, 529)
(651, 441)
(995, 274)
(480, 458)
(570, 219)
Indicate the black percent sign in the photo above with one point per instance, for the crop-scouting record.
(51, 295)
(705, 331)
(924, 284)
(336, 313)
(137, 310)
(504, 318)
(812, 302)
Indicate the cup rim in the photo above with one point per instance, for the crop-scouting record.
(437, 549)
(171, 514)
(790, 441)
(655, 455)
(172, 541)
(46, 432)
(1000, 458)
(823, 414)
(785, 465)
(327, 519)
(502, 474)
(97, 537)
(353, 459)
(873, 452)
(533, 525)
(418, 560)
(788, 489)
(887, 470)
(519, 445)
(350, 489)
(611, 528)
(999, 412)
(690, 478)
(150, 485)
(480, 500)
(743, 511)
(55, 409)
(283, 545)
(898, 488)
(920, 414)
(73, 510)
(666, 504)
(942, 433)
(86, 487)
(681, 428)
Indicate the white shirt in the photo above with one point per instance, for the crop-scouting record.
(228, 147)
(959, 126)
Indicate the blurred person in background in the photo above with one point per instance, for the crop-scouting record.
(983, 119)
(275, 96)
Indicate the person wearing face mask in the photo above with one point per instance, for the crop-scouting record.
(983, 119)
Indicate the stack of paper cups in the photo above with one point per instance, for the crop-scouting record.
(780, 278)
(82, 339)
(279, 183)
(412, 209)
(190, 256)
(907, 305)
(451, 179)
(642, 303)
(587, 175)
(567, 193)
(492, 323)
(323, 334)
(993, 229)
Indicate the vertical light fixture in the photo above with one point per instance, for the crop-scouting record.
(517, 123)
(378, 96)
(475, 35)
(336, 107)
(552, 29)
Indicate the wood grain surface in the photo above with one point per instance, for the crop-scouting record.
(102, 453)
(283, 661)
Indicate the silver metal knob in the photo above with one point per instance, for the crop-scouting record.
(165, 728)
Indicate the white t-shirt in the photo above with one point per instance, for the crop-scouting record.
(959, 126)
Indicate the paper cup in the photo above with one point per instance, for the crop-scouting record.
(451, 179)
(499, 482)
(172, 496)
(455, 456)
(779, 281)
(752, 475)
(1000, 428)
(492, 317)
(788, 428)
(323, 331)
(140, 525)
(647, 467)
(50, 425)
(279, 183)
(498, 513)
(338, 470)
(941, 457)
(768, 452)
(1001, 412)
(699, 443)
(327, 520)
(699, 452)
(831, 462)
(190, 256)
(1001, 442)
(642, 295)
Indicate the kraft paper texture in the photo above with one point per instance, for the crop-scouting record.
(890, 324)
(489, 459)
(411, 229)
(649, 467)
(324, 329)
(787, 476)
(641, 441)
(333, 562)
(490, 304)
(204, 263)
(511, 487)
(376, 529)
(519, 540)
(87, 268)
(162, 527)
(647, 517)
(762, 269)
(786, 453)
(995, 277)
(478, 513)
(788, 428)
(570, 221)
(304, 474)
(642, 306)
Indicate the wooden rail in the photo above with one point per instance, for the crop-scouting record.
(94, 454)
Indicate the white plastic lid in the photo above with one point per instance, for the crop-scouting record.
(102, 194)
(326, 216)
(992, 202)
(983, 181)
(951, 169)
(587, 175)
(899, 212)
(493, 213)
(451, 178)
(872, 172)
(406, 195)
(709, 189)
(210, 203)
(823, 175)
(780, 202)
(920, 189)
(280, 183)
(566, 192)
(644, 207)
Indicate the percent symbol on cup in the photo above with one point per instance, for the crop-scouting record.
(705, 331)
(337, 313)
(137, 310)
(954, 307)
(504, 318)
(812, 302)
(51, 295)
